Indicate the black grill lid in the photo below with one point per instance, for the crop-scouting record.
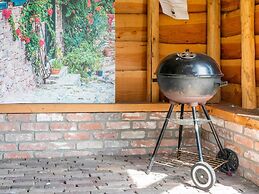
(189, 64)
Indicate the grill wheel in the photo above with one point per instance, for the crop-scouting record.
(203, 175)
(233, 162)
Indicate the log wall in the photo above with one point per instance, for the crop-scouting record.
(131, 44)
(231, 50)
(175, 36)
(131, 49)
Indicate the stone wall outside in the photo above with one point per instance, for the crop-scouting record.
(16, 72)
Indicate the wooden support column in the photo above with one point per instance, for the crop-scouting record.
(248, 80)
(213, 36)
(153, 45)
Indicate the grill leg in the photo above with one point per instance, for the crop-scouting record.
(180, 128)
(214, 132)
(197, 133)
(160, 139)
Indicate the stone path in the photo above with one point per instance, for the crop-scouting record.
(107, 174)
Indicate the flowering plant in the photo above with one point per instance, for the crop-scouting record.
(86, 20)
(35, 16)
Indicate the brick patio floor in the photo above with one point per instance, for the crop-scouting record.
(107, 174)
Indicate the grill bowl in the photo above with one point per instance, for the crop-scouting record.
(189, 77)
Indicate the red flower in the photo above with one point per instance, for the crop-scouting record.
(50, 12)
(98, 8)
(7, 13)
(110, 18)
(37, 20)
(27, 40)
(18, 32)
(89, 3)
(96, 1)
(41, 42)
(91, 21)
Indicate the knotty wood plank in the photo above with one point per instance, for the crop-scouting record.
(131, 27)
(131, 86)
(131, 56)
(183, 31)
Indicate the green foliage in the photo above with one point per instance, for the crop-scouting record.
(35, 14)
(85, 20)
(83, 60)
(56, 63)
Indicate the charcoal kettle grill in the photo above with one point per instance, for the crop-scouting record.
(193, 78)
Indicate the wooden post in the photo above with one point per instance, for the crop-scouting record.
(213, 36)
(153, 42)
(248, 80)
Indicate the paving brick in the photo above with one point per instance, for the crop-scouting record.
(157, 116)
(118, 125)
(2, 138)
(89, 144)
(48, 136)
(17, 155)
(34, 126)
(116, 144)
(80, 117)
(170, 125)
(253, 133)
(235, 147)
(132, 134)
(46, 146)
(169, 142)
(2, 117)
(252, 155)
(144, 125)
(9, 126)
(63, 126)
(234, 127)
(245, 141)
(50, 117)
(217, 121)
(77, 136)
(106, 135)
(134, 116)
(48, 154)
(136, 151)
(257, 146)
(18, 137)
(90, 126)
(8, 147)
(225, 133)
(143, 143)
(77, 153)
(155, 134)
(107, 116)
(21, 117)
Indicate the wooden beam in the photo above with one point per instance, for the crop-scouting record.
(153, 43)
(79, 108)
(213, 35)
(155, 92)
(248, 82)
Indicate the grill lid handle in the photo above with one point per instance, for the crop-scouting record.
(186, 55)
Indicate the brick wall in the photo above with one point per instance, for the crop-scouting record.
(58, 135)
(77, 134)
(15, 71)
(244, 141)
